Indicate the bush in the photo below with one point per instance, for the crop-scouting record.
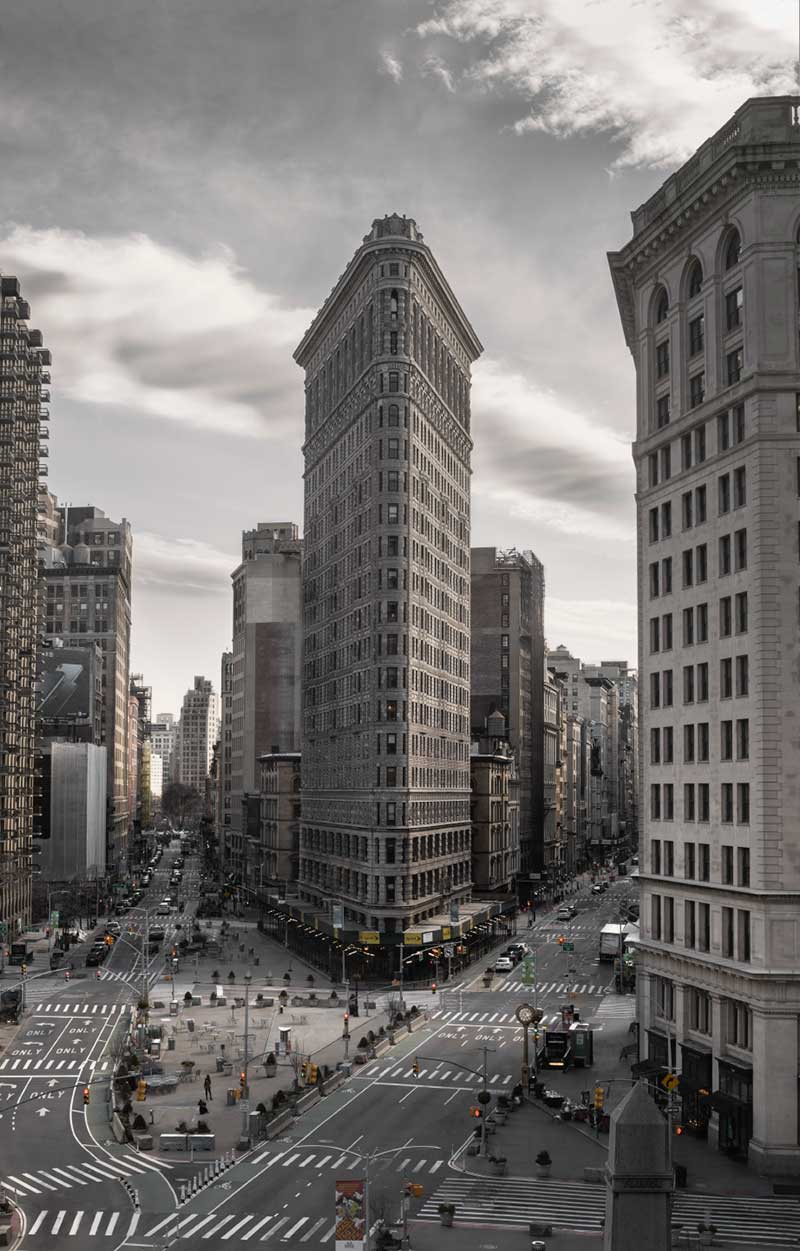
(139, 1124)
(271, 1058)
(381, 1032)
(187, 998)
(362, 1044)
(371, 1035)
(202, 1127)
(261, 1108)
(543, 1159)
(310, 979)
(231, 976)
(333, 996)
(278, 1100)
(182, 1128)
(215, 975)
(414, 1010)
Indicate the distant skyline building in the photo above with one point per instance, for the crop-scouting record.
(224, 761)
(266, 680)
(507, 676)
(87, 573)
(385, 768)
(163, 735)
(24, 379)
(707, 289)
(197, 734)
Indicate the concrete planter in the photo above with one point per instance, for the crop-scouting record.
(6, 1236)
(307, 1100)
(279, 1123)
(144, 1142)
(173, 1142)
(202, 1142)
(382, 1047)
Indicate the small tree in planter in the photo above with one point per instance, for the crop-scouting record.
(446, 1213)
(310, 979)
(270, 1065)
(231, 976)
(215, 977)
(543, 1164)
(187, 998)
(139, 1124)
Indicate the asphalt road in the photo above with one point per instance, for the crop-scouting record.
(68, 1175)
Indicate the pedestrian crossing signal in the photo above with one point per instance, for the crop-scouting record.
(86, 1094)
(416, 1066)
(477, 1113)
(599, 1098)
(242, 1080)
(66, 975)
(312, 1074)
(433, 988)
(561, 940)
(23, 969)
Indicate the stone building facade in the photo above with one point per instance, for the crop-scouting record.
(197, 733)
(386, 736)
(280, 821)
(708, 296)
(495, 811)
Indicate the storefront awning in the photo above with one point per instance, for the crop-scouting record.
(647, 1069)
(721, 1102)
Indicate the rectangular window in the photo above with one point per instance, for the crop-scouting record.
(724, 555)
(688, 743)
(723, 432)
(666, 576)
(669, 858)
(743, 739)
(652, 469)
(725, 617)
(703, 802)
(688, 801)
(655, 691)
(743, 866)
(662, 359)
(689, 924)
(688, 684)
(669, 802)
(653, 518)
(702, 740)
(734, 363)
(742, 676)
(666, 519)
(669, 919)
(704, 862)
(743, 803)
(687, 500)
(734, 303)
(700, 1011)
(740, 550)
(702, 682)
(704, 926)
(686, 451)
(700, 505)
(688, 861)
(655, 856)
(724, 491)
(394, 382)
(726, 804)
(743, 935)
(664, 998)
(655, 916)
(654, 579)
(738, 423)
(667, 689)
(662, 412)
(666, 463)
(702, 623)
(666, 632)
(392, 476)
(696, 335)
(700, 443)
(726, 864)
(688, 627)
(655, 634)
(697, 389)
(737, 1023)
(740, 613)
(726, 678)
(739, 487)
(688, 568)
(655, 746)
(655, 801)
(392, 514)
(726, 740)
(701, 563)
(668, 744)
(727, 933)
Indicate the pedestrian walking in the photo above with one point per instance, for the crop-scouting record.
(207, 1087)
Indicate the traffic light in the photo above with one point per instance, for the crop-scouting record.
(304, 1070)
(678, 1130)
(477, 1113)
(599, 1098)
(97, 974)
(242, 1080)
(346, 1031)
(23, 968)
(561, 940)
(416, 1066)
(86, 1095)
(66, 975)
(312, 1074)
(433, 988)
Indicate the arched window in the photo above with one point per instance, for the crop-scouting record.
(662, 306)
(733, 249)
(394, 415)
(695, 278)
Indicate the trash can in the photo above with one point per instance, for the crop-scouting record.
(681, 1176)
(190, 1024)
(233, 1096)
(220, 1064)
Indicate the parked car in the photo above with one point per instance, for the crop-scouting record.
(566, 912)
(164, 908)
(518, 951)
(503, 964)
(598, 888)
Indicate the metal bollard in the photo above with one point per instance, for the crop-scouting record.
(136, 1199)
(182, 1198)
(206, 1176)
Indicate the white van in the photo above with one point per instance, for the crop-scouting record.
(612, 940)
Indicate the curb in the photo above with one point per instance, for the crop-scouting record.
(187, 1190)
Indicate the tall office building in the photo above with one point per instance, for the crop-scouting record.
(163, 733)
(197, 734)
(507, 676)
(266, 680)
(708, 296)
(386, 776)
(23, 383)
(226, 839)
(87, 574)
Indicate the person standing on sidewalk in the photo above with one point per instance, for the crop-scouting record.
(207, 1087)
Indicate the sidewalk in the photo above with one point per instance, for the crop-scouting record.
(429, 1236)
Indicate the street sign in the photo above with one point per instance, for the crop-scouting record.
(449, 950)
(674, 1110)
(569, 946)
(670, 1081)
(53, 919)
(528, 971)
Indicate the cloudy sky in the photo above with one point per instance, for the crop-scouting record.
(184, 180)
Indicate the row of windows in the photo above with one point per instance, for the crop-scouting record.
(697, 802)
(735, 1016)
(695, 682)
(697, 862)
(733, 618)
(735, 929)
(730, 427)
(696, 742)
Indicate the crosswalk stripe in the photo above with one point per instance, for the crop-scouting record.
(94, 1169)
(75, 1226)
(72, 1172)
(160, 1225)
(437, 1165)
(288, 1161)
(306, 1161)
(39, 1180)
(59, 1221)
(255, 1228)
(401, 1168)
(341, 1160)
(324, 1160)
(35, 1226)
(57, 1180)
(134, 1221)
(93, 1228)
(420, 1165)
(25, 1186)
(201, 1222)
(297, 1225)
(307, 1237)
(275, 1229)
(230, 1232)
(274, 1159)
(112, 1223)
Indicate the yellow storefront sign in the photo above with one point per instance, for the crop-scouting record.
(412, 938)
(445, 933)
(369, 936)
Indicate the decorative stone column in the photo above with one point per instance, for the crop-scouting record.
(773, 1147)
(639, 1178)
